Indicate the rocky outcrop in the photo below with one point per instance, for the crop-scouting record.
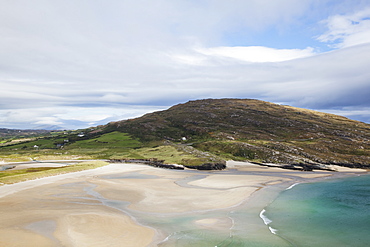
(160, 164)
(298, 167)
(151, 162)
(208, 166)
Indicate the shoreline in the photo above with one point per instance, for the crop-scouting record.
(259, 199)
(137, 194)
(319, 208)
(264, 196)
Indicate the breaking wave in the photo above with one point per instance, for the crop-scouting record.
(267, 221)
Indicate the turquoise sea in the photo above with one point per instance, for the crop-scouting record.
(333, 212)
(329, 213)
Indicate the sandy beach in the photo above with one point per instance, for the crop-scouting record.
(123, 204)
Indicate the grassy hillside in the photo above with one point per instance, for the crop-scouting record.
(257, 131)
(213, 130)
(97, 143)
(82, 144)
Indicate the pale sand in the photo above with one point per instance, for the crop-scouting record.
(102, 229)
(346, 169)
(80, 220)
(234, 181)
(164, 196)
(65, 210)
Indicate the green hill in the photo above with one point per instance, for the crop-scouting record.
(254, 130)
(214, 130)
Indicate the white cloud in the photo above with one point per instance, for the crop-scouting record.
(191, 59)
(317, 81)
(347, 30)
(70, 116)
(258, 54)
(48, 121)
(82, 62)
(112, 97)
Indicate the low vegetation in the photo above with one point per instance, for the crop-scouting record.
(174, 154)
(167, 153)
(15, 176)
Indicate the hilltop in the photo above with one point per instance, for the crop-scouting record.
(215, 130)
(247, 129)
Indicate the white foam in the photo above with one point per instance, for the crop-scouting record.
(272, 230)
(267, 221)
(290, 187)
(264, 218)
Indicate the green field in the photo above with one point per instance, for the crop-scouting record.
(169, 154)
(113, 145)
(70, 146)
(112, 140)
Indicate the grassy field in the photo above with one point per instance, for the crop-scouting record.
(15, 176)
(118, 146)
(169, 154)
(112, 140)
(95, 145)
(69, 147)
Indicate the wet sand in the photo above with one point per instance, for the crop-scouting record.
(112, 205)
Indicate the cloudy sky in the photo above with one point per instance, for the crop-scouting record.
(75, 64)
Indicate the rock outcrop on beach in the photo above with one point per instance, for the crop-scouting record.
(209, 166)
(151, 162)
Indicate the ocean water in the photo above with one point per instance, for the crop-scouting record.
(329, 213)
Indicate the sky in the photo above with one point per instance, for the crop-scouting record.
(74, 64)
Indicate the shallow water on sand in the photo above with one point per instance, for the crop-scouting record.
(235, 226)
(295, 218)
(329, 213)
